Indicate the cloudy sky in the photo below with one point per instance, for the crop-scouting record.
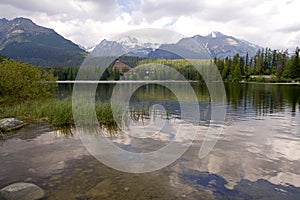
(272, 23)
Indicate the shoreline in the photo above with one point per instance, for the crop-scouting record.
(173, 81)
(129, 81)
(269, 83)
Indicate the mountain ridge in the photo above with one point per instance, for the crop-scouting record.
(215, 43)
(22, 39)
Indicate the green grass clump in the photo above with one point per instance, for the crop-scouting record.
(57, 113)
(104, 113)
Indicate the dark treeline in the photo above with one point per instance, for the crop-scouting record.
(278, 64)
(267, 65)
(70, 73)
(67, 73)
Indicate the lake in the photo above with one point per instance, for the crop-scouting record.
(256, 157)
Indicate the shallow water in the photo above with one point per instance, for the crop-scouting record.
(257, 156)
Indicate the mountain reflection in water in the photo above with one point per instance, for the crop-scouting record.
(257, 156)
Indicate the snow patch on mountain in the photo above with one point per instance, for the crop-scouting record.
(216, 43)
(133, 42)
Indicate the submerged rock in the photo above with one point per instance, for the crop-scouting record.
(82, 197)
(22, 191)
(9, 124)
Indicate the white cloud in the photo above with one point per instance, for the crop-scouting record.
(272, 23)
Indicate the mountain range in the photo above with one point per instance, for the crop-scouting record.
(22, 39)
(213, 45)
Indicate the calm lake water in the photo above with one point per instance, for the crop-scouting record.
(257, 156)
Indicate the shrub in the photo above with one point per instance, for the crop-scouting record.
(260, 79)
(20, 81)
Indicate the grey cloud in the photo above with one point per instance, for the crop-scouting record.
(228, 11)
(294, 42)
(253, 20)
(222, 14)
(154, 10)
(289, 2)
(12, 12)
(96, 9)
(224, 11)
(37, 6)
(289, 29)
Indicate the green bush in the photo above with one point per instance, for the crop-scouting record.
(274, 79)
(20, 81)
(297, 80)
(260, 79)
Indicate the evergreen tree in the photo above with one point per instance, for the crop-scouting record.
(225, 72)
(236, 74)
(247, 60)
(296, 64)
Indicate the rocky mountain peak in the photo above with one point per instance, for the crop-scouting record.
(215, 43)
(215, 34)
(22, 39)
(21, 24)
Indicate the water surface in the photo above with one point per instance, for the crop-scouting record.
(257, 156)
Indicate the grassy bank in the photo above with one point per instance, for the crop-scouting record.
(57, 113)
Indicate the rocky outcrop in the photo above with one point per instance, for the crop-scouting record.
(9, 124)
(22, 191)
